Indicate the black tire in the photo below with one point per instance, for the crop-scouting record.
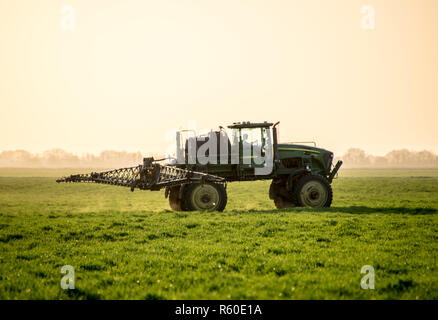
(278, 192)
(175, 202)
(205, 197)
(313, 190)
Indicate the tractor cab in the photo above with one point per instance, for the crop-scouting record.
(238, 152)
(254, 138)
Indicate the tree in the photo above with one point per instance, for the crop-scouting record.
(356, 157)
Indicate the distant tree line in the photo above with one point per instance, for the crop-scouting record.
(403, 158)
(59, 158)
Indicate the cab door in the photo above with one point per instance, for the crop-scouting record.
(252, 149)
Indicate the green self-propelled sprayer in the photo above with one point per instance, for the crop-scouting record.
(301, 174)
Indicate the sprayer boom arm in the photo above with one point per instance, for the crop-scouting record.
(148, 176)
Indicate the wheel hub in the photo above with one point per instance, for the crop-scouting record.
(205, 197)
(314, 194)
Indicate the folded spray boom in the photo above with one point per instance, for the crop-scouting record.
(148, 176)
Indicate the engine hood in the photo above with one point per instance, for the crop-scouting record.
(301, 148)
(319, 157)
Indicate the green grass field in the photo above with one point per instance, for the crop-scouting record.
(127, 245)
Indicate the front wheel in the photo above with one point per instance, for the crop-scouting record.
(313, 190)
(205, 197)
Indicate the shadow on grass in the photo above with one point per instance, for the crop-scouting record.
(82, 294)
(349, 209)
(400, 210)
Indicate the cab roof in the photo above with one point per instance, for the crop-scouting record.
(237, 125)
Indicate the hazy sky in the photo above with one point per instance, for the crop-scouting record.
(130, 71)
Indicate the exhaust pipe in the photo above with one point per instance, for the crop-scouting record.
(275, 137)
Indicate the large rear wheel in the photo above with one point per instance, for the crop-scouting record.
(205, 197)
(313, 190)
